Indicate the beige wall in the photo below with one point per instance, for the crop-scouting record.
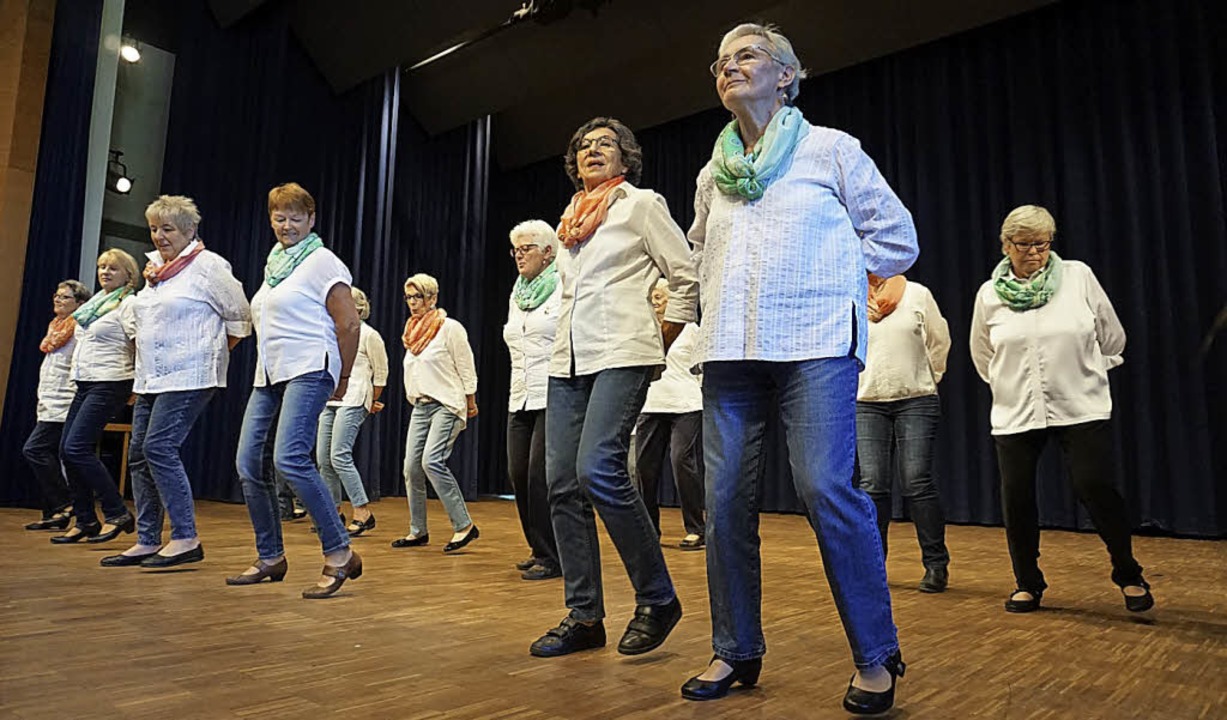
(25, 45)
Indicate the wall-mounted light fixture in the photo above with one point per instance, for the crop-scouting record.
(130, 50)
(117, 174)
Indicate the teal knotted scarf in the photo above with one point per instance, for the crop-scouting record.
(1035, 292)
(748, 176)
(529, 295)
(100, 304)
(282, 261)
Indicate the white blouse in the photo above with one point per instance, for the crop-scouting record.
(678, 390)
(606, 320)
(104, 351)
(907, 351)
(529, 335)
(370, 370)
(295, 334)
(445, 370)
(55, 386)
(180, 326)
(1048, 367)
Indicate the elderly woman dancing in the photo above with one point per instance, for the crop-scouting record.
(190, 314)
(1043, 336)
(618, 240)
(789, 218)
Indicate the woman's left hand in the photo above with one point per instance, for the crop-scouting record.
(472, 411)
(376, 407)
(669, 332)
(342, 386)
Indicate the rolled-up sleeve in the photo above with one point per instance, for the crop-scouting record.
(884, 224)
(228, 299)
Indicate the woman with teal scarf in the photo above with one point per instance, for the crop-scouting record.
(1044, 336)
(532, 319)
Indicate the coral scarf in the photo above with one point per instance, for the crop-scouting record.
(885, 298)
(586, 211)
(59, 332)
(155, 274)
(421, 329)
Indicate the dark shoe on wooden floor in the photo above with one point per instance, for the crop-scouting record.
(357, 527)
(275, 573)
(455, 545)
(1022, 605)
(570, 636)
(934, 581)
(1139, 603)
(125, 524)
(526, 563)
(863, 702)
(541, 572)
(650, 626)
(692, 542)
(55, 522)
(350, 570)
(124, 560)
(158, 560)
(405, 542)
(744, 672)
(77, 533)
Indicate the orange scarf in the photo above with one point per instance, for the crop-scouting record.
(586, 212)
(421, 329)
(155, 274)
(59, 332)
(886, 297)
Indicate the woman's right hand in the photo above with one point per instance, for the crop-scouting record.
(376, 407)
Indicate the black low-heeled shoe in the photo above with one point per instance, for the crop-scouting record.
(405, 542)
(125, 524)
(864, 702)
(1139, 603)
(650, 627)
(87, 531)
(1024, 606)
(455, 545)
(158, 560)
(55, 522)
(744, 672)
(124, 560)
(357, 527)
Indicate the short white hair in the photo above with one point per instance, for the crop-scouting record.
(777, 45)
(1028, 220)
(661, 284)
(541, 233)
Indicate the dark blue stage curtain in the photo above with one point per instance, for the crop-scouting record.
(1114, 116)
(55, 227)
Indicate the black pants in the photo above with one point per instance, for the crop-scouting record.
(42, 451)
(526, 466)
(680, 435)
(1087, 451)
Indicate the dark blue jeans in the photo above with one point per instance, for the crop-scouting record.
(160, 425)
(902, 434)
(588, 429)
(816, 402)
(42, 452)
(95, 404)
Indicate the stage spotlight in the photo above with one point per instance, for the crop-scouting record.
(117, 174)
(130, 50)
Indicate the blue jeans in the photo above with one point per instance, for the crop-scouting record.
(160, 425)
(42, 452)
(588, 428)
(334, 451)
(300, 401)
(816, 400)
(904, 431)
(433, 430)
(95, 404)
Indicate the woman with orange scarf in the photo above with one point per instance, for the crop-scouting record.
(441, 384)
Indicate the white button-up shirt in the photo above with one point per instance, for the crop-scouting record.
(55, 386)
(678, 390)
(370, 370)
(295, 334)
(907, 350)
(180, 326)
(445, 370)
(529, 335)
(783, 277)
(104, 351)
(1048, 367)
(606, 319)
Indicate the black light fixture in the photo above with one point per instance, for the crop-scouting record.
(117, 174)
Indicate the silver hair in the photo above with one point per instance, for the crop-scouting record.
(180, 210)
(1028, 219)
(777, 45)
(539, 231)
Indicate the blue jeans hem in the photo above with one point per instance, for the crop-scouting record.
(739, 656)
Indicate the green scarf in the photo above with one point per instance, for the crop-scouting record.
(529, 295)
(735, 173)
(281, 261)
(1034, 293)
(100, 304)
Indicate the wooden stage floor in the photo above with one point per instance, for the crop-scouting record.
(424, 635)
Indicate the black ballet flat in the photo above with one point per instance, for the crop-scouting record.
(455, 545)
(405, 542)
(1024, 606)
(744, 672)
(863, 702)
(87, 531)
(357, 527)
(1139, 603)
(126, 524)
(196, 554)
(55, 522)
(124, 560)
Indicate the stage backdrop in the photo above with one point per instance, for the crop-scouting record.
(1109, 113)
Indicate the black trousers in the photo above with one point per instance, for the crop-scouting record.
(42, 451)
(1087, 451)
(680, 436)
(526, 466)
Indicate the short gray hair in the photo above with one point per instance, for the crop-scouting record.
(541, 232)
(1028, 219)
(180, 210)
(423, 282)
(80, 293)
(779, 48)
(361, 302)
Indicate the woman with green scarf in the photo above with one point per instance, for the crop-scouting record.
(1044, 336)
(532, 319)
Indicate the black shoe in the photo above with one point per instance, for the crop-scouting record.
(541, 572)
(570, 636)
(1139, 603)
(650, 626)
(405, 542)
(526, 563)
(744, 671)
(125, 524)
(124, 560)
(455, 545)
(935, 580)
(55, 522)
(196, 554)
(356, 527)
(692, 542)
(297, 513)
(84, 532)
(863, 702)
(1024, 606)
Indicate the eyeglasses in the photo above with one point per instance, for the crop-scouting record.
(1028, 247)
(413, 296)
(523, 250)
(65, 298)
(601, 143)
(745, 56)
